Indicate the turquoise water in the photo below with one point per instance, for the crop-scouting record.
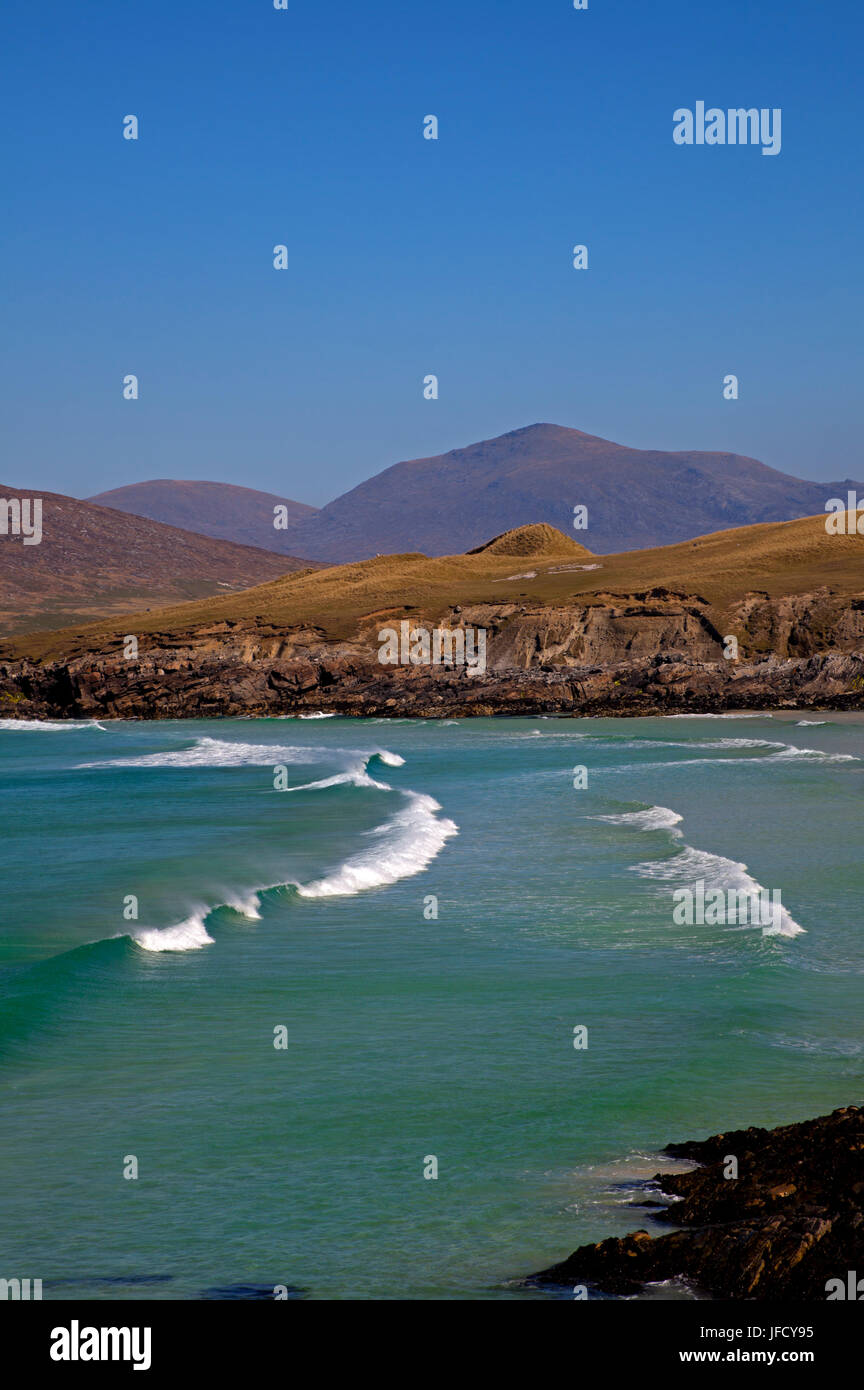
(406, 1035)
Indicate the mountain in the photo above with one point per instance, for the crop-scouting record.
(635, 497)
(95, 561)
(223, 510)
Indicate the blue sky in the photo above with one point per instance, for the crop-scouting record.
(408, 256)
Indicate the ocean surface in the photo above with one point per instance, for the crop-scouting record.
(420, 914)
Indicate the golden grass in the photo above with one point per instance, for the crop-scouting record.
(777, 557)
(533, 541)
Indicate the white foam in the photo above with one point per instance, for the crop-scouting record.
(733, 743)
(406, 844)
(808, 723)
(653, 818)
(216, 752)
(694, 744)
(746, 714)
(52, 726)
(691, 866)
(190, 935)
(353, 777)
(319, 714)
(816, 755)
(246, 906)
(783, 752)
(356, 776)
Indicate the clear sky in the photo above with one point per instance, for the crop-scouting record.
(407, 256)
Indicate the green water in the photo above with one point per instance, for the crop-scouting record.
(407, 1035)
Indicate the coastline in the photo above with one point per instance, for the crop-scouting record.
(766, 1215)
(570, 940)
(190, 683)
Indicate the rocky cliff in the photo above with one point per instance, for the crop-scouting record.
(784, 1221)
(652, 652)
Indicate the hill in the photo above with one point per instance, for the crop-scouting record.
(636, 498)
(776, 560)
(533, 541)
(95, 561)
(223, 510)
(641, 632)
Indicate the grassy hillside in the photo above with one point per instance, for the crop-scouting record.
(532, 565)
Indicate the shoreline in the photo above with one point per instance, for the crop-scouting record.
(782, 713)
(189, 683)
(765, 1215)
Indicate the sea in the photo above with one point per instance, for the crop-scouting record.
(401, 1009)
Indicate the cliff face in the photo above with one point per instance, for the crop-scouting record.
(800, 625)
(651, 652)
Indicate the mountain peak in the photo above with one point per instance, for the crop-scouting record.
(545, 428)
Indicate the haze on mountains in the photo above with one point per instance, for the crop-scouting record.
(636, 498)
(232, 513)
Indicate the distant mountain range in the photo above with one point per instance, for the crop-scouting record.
(223, 510)
(94, 561)
(636, 498)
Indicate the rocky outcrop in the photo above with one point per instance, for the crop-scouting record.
(653, 652)
(768, 1214)
(798, 625)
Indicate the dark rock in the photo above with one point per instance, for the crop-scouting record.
(792, 1220)
(258, 1293)
(657, 652)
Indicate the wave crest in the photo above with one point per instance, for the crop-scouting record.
(412, 838)
(692, 866)
(653, 818)
(190, 935)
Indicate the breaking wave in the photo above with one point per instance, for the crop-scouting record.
(403, 845)
(694, 866)
(746, 714)
(190, 935)
(690, 866)
(53, 726)
(217, 752)
(816, 755)
(654, 818)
